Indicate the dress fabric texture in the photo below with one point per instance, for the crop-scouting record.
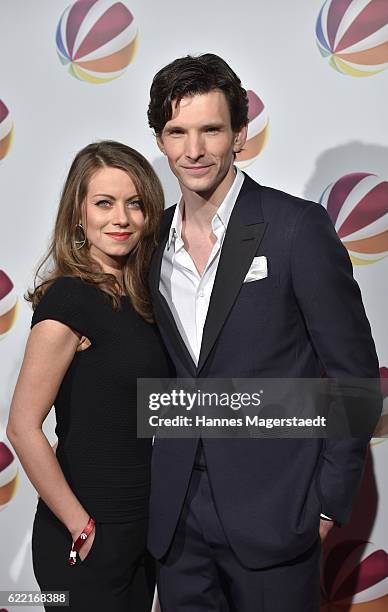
(105, 464)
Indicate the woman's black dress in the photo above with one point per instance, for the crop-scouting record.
(105, 464)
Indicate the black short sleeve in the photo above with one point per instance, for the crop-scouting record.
(63, 301)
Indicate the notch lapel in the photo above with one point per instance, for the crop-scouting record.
(244, 233)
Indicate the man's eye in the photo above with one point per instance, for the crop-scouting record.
(176, 132)
(212, 129)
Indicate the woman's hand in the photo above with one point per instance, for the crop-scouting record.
(85, 548)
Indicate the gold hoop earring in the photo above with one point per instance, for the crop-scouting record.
(78, 244)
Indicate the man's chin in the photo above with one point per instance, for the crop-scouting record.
(200, 185)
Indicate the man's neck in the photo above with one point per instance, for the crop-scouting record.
(199, 208)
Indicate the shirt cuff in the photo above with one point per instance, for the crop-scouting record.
(326, 518)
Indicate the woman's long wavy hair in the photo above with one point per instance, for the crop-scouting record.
(64, 259)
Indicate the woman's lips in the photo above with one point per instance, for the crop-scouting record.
(121, 237)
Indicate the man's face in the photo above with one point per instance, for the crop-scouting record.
(199, 141)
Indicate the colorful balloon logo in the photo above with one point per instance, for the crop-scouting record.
(355, 575)
(357, 204)
(354, 35)
(6, 130)
(257, 131)
(8, 475)
(97, 39)
(8, 304)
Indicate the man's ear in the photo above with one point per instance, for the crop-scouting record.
(240, 138)
(159, 142)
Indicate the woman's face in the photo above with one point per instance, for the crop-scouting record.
(113, 217)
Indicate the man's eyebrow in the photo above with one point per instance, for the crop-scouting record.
(174, 127)
(210, 124)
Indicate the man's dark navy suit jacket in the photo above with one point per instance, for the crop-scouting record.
(306, 316)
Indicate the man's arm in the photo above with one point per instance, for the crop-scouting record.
(331, 304)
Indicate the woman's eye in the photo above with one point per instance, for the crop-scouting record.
(135, 204)
(103, 203)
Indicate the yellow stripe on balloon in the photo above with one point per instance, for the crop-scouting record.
(5, 144)
(83, 75)
(357, 261)
(346, 69)
(7, 491)
(8, 319)
(333, 63)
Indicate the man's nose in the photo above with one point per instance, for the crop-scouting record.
(194, 146)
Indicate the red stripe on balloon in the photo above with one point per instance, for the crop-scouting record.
(369, 572)
(255, 105)
(114, 21)
(6, 457)
(6, 285)
(77, 14)
(3, 111)
(372, 206)
(373, 17)
(340, 192)
(334, 17)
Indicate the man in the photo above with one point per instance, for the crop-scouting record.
(235, 523)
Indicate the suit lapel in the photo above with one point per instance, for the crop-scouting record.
(162, 311)
(245, 231)
(242, 239)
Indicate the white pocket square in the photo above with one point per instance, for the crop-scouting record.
(258, 269)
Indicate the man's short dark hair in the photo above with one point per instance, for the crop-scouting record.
(188, 76)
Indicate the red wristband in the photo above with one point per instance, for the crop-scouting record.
(81, 540)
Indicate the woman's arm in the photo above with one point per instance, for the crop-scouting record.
(50, 349)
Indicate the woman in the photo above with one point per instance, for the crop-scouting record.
(91, 339)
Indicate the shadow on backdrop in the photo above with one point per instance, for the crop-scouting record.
(350, 157)
(170, 184)
(346, 546)
(332, 164)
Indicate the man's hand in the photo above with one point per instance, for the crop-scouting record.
(324, 528)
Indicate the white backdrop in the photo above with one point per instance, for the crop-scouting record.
(323, 125)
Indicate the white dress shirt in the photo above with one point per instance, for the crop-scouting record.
(186, 291)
